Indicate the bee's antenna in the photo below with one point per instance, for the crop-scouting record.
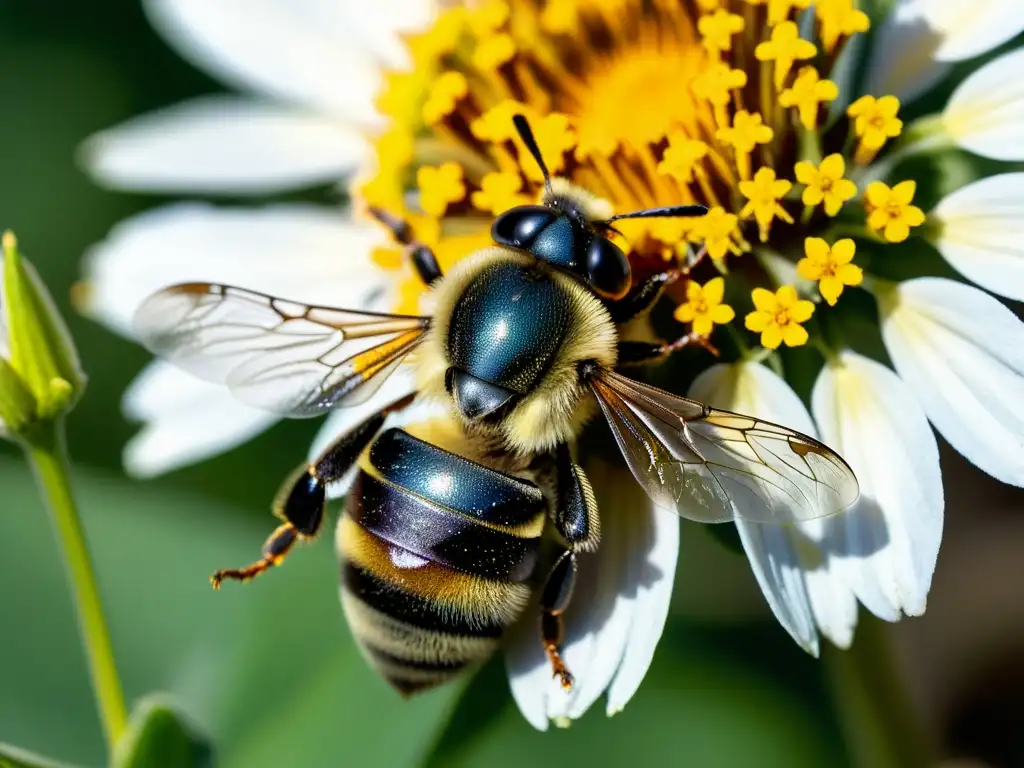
(526, 134)
(671, 211)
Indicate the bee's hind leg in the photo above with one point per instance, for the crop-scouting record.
(423, 259)
(574, 515)
(553, 602)
(303, 497)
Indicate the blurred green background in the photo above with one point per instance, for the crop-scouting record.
(270, 672)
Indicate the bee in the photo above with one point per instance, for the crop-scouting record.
(440, 539)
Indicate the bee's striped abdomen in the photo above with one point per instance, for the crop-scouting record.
(435, 553)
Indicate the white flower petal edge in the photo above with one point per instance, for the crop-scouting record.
(962, 354)
(981, 233)
(185, 421)
(224, 145)
(274, 250)
(300, 51)
(886, 546)
(985, 114)
(919, 39)
(792, 564)
(617, 613)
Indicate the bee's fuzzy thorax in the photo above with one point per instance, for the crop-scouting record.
(558, 406)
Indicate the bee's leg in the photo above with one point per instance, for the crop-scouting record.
(574, 516)
(643, 296)
(300, 503)
(553, 602)
(643, 352)
(423, 259)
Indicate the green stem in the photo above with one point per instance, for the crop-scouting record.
(879, 726)
(48, 457)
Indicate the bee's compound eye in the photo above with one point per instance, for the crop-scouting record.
(518, 226)
(607, 268)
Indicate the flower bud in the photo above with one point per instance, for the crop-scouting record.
(40, 375)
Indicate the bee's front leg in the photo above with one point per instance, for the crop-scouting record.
(423, 259)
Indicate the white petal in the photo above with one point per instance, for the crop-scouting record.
(982, 233)
(186, 421)
(301, 51)
(779, 573)
(778, 555)
(919, 39)
(833, 603)
(301, 252)
(653, 600)
(224, 145)
(962, 354)
(599, 625)
(887, 544)
(985, 114)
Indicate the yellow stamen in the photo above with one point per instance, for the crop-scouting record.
(839, 18)
(806, 93)
(703, 307)
(499, 192)
(439, 187)
(717, 30)
(875, 123)
(747, 131)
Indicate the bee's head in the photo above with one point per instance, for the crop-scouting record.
(569, 232)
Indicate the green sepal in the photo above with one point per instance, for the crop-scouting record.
(17, 406)
(160, 736)
(41, 350)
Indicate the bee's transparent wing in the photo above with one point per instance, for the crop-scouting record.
(713, 466)
(284, 356)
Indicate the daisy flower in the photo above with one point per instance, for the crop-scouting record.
(735, 104)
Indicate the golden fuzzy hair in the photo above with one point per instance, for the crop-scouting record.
(558, 407)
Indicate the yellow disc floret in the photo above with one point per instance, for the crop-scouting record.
(890, 211)
(825, 184)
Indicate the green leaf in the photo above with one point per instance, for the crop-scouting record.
(267, 669)
(160, 736)
(13, 757)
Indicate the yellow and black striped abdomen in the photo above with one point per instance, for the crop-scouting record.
(436, 551)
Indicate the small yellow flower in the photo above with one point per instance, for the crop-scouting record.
(440, 186)
(839, 18)
(890, 210)
(499, 192)
(718, 230)
(830, 266)
(875, 122)
(493, 51)
(444, 95)
(778, 317)
(704, 307)
(746, 132)
(717, 30)
(495, 125)
(717, 81)
(784, 48)
(441, 37)
(763, 194)
(826, 183)
(807, 92)
(555, 137)
(682, 156)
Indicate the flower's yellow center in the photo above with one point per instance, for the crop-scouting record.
(643, 103)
